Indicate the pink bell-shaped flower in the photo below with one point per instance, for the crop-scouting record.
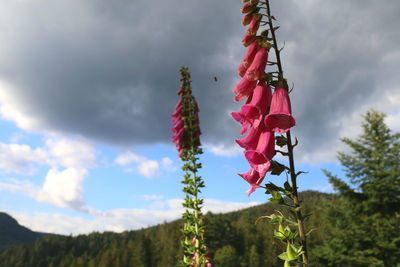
(252, 176)
(264, 151)
(248, 39)
(239, 116)
(250, 141)
(242, 69)
(247, 19)
(280, 117)
(177, 126)
(246, 8)
(178, 136)
(244, 89)
(254, 24)
(252, 112)
(177, 112)
(255, 177)
(257, 68)
(261, 99)
(250, 54)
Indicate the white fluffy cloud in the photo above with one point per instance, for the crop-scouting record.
(64, 188)
(224, 150)
(60, 188)
(21, 158)
(146, 167)
(16, 186)
(71, 153)
(117, 220)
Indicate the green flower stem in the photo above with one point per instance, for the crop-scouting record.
(293, 177)
(193, 228)
(196, 208)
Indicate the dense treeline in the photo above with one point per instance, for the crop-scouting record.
(11, 233)
(233, 239)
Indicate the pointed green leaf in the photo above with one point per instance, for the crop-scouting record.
(281, 141)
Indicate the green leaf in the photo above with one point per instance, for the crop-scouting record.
(283, 256)
(309, 232)
(291, 252)
(276, 168)
(287, 186)
(300, 172)
(276, 197)
(272, 187)
(275, 28)
(281, 141)
(264, 33)
(279, 235)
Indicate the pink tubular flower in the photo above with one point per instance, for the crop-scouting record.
(264, 151)
(244, 89)
(177, 112)
(242, 69)
(248, 39)
(280, 117)
(250, 54)
(255, 109)
(238, 116)
(254, 24)
(257, 68)
(250, 141)
(247, 18)
(177, 125)
(252, 176)
(255, 177)
(246, 8)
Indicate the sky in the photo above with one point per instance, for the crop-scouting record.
(87, 89)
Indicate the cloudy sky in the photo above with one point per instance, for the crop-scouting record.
(86, 89)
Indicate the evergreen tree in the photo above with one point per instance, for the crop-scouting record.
(226, 256)
(365, 222)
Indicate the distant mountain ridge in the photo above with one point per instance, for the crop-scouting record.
(12, 233)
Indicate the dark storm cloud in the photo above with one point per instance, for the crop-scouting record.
(108, 70)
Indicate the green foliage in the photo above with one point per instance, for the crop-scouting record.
(364, 221)
(11, 233)
(159, 246)
(226, 256)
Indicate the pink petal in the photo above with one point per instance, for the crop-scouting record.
(280, 119)
(249, 142)
(244, 89)
(254, 24)
(265, 149)
(257, 68)
(250, 54)
(248, 39)
(261, 99)
(246, 19)
(242, 70)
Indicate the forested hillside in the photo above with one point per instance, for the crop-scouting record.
(11, 233)
(233, 239)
